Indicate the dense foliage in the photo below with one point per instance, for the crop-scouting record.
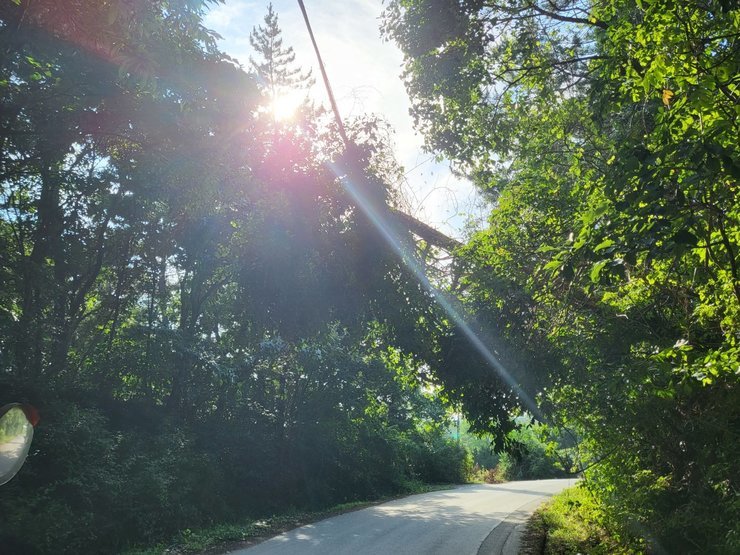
(206, 324)
(606, 135)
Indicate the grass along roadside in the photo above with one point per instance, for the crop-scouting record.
(220, 538)
(571, 523)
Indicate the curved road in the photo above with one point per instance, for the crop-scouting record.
(468, 520)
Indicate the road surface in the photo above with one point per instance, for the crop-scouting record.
(468, 520)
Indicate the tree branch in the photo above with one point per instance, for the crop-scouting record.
(568, 19)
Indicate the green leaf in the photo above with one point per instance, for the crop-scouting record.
(603, 245)
(596, 270)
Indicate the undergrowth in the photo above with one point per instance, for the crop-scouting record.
(571, 523)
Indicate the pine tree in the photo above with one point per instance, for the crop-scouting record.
(276, 71)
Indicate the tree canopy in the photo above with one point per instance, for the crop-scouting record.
(208, 327)
(606, 136)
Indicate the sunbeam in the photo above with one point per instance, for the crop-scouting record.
(349, 178)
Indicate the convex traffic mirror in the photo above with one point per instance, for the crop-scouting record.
(16, 432)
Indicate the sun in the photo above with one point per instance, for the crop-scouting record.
(285, 106)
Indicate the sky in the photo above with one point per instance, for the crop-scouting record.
(364, 72)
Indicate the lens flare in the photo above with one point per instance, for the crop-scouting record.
(351, 181)
(284, 107)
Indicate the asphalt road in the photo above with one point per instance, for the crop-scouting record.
(468, 520)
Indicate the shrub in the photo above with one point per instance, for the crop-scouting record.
(573, 522)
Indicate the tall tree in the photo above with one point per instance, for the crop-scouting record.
(275, 65)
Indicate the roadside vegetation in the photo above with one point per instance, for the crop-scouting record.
(460, 458)
(573, 522)
(605, 136)
(533, 454)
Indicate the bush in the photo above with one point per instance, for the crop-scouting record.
(573, 522)
(681, 492)
(529, 457)
(529, 461)
(444, 461)
(86, 486)
(106, 473)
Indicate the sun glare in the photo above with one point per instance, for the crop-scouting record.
(285, 106)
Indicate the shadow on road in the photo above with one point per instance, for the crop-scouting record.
(457, 522)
